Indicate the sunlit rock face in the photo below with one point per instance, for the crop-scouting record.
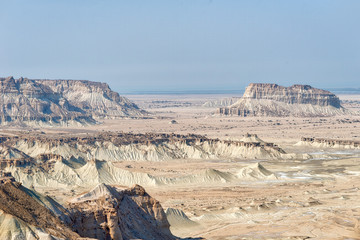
(60, 102)
(262, 99)
(110, 213)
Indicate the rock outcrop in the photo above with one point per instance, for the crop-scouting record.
(272, 100)
(111, 213)
(105, 213)
(60, 102)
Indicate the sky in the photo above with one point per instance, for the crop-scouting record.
(183, 45)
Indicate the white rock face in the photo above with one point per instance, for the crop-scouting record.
(256, 171)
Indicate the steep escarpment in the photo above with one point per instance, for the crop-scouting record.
(60, 102)
(276, 101)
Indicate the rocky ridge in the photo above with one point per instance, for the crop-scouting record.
(60, 102)
(111, 213)
(110, 146)
(261, 99)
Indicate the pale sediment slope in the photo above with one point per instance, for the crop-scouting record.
(178, 219)
(61, 175)
(91, 174)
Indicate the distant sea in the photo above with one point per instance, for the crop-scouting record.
(184, 92)
(344, 90)
(228, 92)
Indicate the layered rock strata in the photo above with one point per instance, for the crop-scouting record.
(60, 102)
(110, 213)
(272, 100)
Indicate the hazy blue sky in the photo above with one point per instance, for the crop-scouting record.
(183, 44)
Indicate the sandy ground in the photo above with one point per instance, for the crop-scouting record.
(317, 198)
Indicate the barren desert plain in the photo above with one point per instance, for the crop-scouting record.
(311, 191)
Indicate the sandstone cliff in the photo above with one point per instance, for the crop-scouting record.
(110, 213)
(60, 102)
(273, 100)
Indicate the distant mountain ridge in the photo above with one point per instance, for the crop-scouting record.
(60, 102)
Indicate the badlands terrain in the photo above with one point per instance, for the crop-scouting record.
(201, 174)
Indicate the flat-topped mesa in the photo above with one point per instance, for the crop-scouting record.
(60, 102)
(300, 94)
(263, 99)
